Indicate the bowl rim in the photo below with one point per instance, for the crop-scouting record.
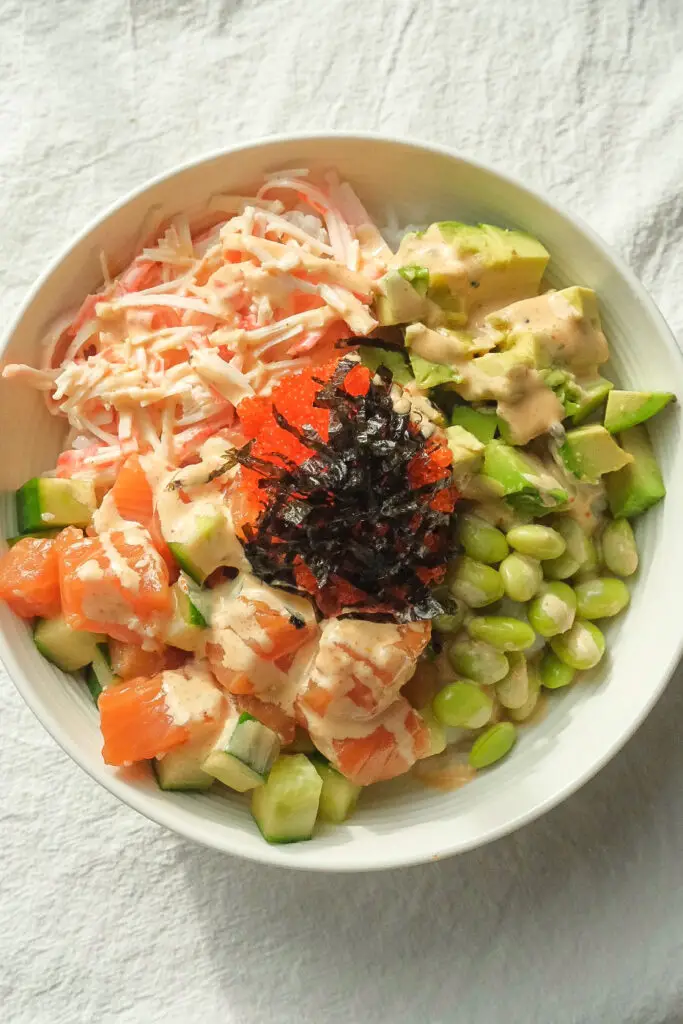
(395, 856)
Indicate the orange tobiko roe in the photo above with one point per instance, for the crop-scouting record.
(293, 398)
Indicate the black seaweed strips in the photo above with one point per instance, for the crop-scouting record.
(349, 511)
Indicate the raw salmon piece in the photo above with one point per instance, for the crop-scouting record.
(137, 724)
(29, 578)
(116, 584)
(128, 661)
(132, 493)
(269, 714)
(134, 499)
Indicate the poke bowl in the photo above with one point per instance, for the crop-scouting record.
(381, 452)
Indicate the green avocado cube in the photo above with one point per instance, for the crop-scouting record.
(589, 452)
(639, 485)
(626, 409)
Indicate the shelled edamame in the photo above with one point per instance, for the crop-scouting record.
(511, 592)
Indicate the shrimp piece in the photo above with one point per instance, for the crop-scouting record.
(375, 750)
(261, 647)
(351, 702)
(361, 666)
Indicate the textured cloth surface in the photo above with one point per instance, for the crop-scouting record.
(577, 918)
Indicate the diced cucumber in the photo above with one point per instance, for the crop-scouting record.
(185, 626)
(286, 807)
(67, 648)
(339, 796)
(47, 502)
(244, 753)
(181, 768)
(207, 542)
(37, 534)
(99, 673)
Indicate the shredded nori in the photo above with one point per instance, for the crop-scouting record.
(349, 512)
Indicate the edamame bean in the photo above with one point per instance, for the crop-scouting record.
(463, 704)
(502, 632)
(437, 733)
(555, 673)
(561, 568)
(475, 583)
(601, 598)
(481, 541)
(553, 610)
(581, 647)
(452, 618)
(619, 551)
(493, 745)
(538, 541)
(478, 661)
(521, 575)
(579, 545)
(534, 686)
(513, 691)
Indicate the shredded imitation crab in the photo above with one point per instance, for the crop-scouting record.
(217, 310)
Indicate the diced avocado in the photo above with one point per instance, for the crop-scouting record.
(589, 397)
(401, 299)
(395, 360)
(639, 485)
(338, 796)
(467, 451)
(205, 546)
(430, 375)
(585, 301)
(501, 364)
(286, 807)
(48, 502)
(450, 307)
(627, 409)
(482, 423)
(440, 344)
(508, 261)
(243, 754)
(186, 623)
(417, 276)
(470, 265)
(181, 768)
(527, 484)
(67, 648)
(99, 675)
(590, 451)
(564, 326)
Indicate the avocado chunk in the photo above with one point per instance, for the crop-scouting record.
(471, 265)
(482, 423)
(586, 398)
(401, 297)
(467, 451)
(589, 452)
(627, 409)
(639, 485)
(430, 375)
(443, 345)
(565, 328)
(527, 484)
(394, 360)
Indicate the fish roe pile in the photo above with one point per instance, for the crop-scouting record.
(342, 497)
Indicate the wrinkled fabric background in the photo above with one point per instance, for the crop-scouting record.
(106, 918)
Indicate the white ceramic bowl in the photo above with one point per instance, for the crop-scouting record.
(397, 823)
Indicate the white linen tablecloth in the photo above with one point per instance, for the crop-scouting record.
(577, 918)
